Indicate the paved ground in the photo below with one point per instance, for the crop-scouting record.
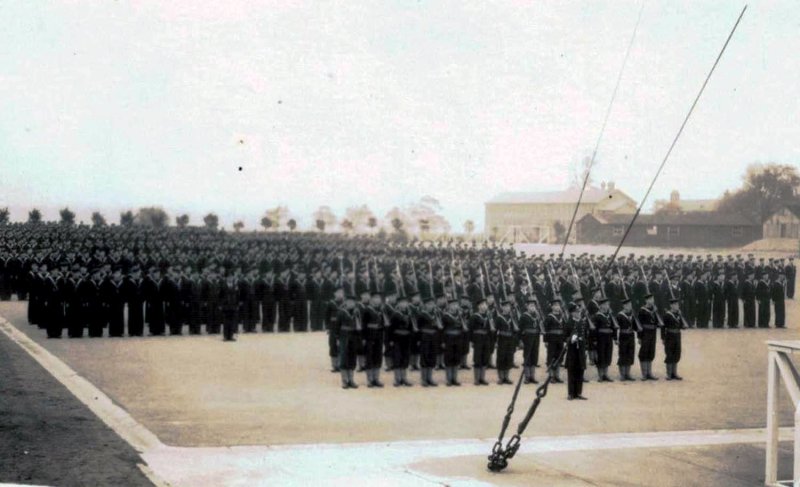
(201, 397)
(276, 389)
(47, 437)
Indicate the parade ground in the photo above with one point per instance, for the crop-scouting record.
(266, 410)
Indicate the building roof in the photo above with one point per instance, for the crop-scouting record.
(793, 207)
(705, 218)
(691, 205)
(592, 195)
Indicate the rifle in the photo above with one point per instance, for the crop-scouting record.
(599, 282)
(483, 294)
(655, 310)
(583, 305)
(633, 313)
(672, 296)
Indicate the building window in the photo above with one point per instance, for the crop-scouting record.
(673, 231)
(737, 232)
(652, 230)
(618, 230)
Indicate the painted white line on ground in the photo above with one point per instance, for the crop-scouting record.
(390, 463)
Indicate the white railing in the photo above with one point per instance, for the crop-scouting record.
(781, 367)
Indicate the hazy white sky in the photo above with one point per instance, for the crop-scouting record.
(108, 105)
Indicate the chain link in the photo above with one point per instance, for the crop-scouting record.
(498, 460)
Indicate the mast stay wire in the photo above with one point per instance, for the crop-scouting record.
(602, 131)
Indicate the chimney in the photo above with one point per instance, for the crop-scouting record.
(610, 186)
(674, 196)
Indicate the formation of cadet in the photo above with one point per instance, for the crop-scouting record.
(412, 306)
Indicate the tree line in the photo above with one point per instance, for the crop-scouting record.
(422, 217)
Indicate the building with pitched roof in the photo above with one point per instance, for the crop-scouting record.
(543, 216)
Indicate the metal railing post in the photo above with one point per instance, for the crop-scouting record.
(773, 388)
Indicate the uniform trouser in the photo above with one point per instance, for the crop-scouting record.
(333, 343)
(348, 342)
(553, 352)
(749, 314)
(155, 317)
(780, 314)
(54, 319)
(574, 381)
(135, 319)
(401, 351)
(605, 349)
(173, 317)
(97, 319)
(373, 348)
(763, 314)
(452, 349)
(300, 315)
(627, 349)
(481, 350)
(428, 350)
(672, 348)
(284, 316)
(116, 320)
(230, 322)
(506, 346)
(317, 315)
(647, 351)
(530, 349)
(268, 315)
(733, 314)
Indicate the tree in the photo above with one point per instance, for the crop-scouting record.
(34, 216)
(766, 188)
(579, 171)
(397, 224)
(211, 221)
(325, 215)
(346, 225)
(152, 216)
(359, 216)
(237, 226)
(277, 215)
(98, 220)
(559, 230)
(67, 216)
(182, 221)
(4, 215)
(126, 218)
(424, 225)
(266, 222)
(428, 210)
(292, 224)
(372, 223)
(469, 227)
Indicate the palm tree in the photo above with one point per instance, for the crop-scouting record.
(98, 220)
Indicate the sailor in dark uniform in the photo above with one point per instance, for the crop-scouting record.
(349, 335)
(401, 329)
(332, 320)
(454, 328)
(671, 333)
(531, 327)
(647, 337)
(429, 326)
(778, 295)
(373, 322)
(605, 340)
(554, 339)
(749, 299)
(627, 341)
(763, 294)
(506, 342)
(479, 326)
(575, 332)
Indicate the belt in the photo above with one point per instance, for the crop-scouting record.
(675, 331)
(480, 332)
(505, 333)
(605, 330)
(452, 332)
(347, 328)
(374, 326)
(554, 332)
(530, 332)
(402, 332)
(649, 327)
(428, 331)
(626, 332)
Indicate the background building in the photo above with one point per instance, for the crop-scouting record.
(676, 204)
(784, 223)
(695, 229)
(543, 216)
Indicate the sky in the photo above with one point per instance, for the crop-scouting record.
(109, 105)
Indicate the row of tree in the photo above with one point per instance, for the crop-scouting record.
(422, 217)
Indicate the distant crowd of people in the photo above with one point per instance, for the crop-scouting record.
(408, 306)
